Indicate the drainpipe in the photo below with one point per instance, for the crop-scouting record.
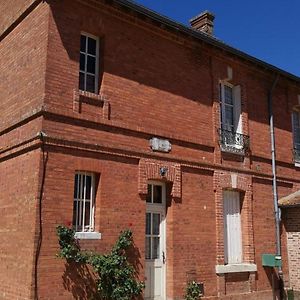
(273, 152)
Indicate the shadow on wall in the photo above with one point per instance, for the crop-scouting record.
(79, 279)
(276, 283)
(130, 64)
(134, 258)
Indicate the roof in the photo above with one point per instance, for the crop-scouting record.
(128, 4)
(290, 200)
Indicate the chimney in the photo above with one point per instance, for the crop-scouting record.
(204, 22)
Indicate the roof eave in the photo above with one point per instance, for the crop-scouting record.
(203, 37)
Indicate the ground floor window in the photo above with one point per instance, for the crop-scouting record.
(232, 227)
(84, 202)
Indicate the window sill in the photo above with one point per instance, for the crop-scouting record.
(236, 268)
(88, 235)
(297, 164)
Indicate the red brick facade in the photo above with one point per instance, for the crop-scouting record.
(156, 82)
(292, 227)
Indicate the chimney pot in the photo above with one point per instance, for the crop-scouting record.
(203, 22)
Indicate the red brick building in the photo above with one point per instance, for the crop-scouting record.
(110, 113)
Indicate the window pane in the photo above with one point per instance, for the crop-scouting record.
(88, 187)
(91, 46)
(79, 219)
(74, 213)
(76, 186)
(81, 81)
(90, 83)
(228, 95)
(157, 194)
(296, 119)
(148, 198)
(83, 43)
(82, 182)
(155, 248)
(87, 215)
(297, 136)
(91, 63)
(82, 62)
(229, 115)
(296, 129)
(155, 224)
(148, 223)
(148, 248)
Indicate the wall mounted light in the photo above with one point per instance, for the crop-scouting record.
(163, 171)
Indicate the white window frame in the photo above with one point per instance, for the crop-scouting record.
(87, 35)
(233, 246)
(236, 105)
(80, 201)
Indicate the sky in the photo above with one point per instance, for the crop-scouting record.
(266, 29)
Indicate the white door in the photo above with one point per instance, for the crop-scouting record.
(155, 242)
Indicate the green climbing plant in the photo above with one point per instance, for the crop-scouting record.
(116, 278)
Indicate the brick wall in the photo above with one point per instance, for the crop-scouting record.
(18, 204)
(292, 227)
(11, 11)
(22, 66)
(155, 83)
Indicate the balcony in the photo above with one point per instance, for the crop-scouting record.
(296, 153)
(233, 142)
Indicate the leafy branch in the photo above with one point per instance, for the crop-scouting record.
(116, 276)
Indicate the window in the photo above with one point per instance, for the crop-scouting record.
(84, 202)
(232, 227)
(231, 138)
(296, 135)
(231, 108)
(89, 65)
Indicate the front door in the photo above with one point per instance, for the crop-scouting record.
(155, 242)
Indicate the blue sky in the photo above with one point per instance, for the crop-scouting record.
(266, 29)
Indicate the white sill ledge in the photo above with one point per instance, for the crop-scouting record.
(236, 268)
(88, 235)
(297, 164)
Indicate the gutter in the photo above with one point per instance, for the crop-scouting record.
(201, 36)
(273, 153)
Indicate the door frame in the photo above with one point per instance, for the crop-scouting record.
(160, 208)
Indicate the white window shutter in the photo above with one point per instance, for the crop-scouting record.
(237, 109)
(232, 227)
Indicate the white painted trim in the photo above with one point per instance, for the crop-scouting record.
(236, 268)
(160, 208)
(297, 165)
(88, 235)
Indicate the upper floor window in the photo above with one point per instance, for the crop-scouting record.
(231, 137)
(231, 108)
(84, 202)
(296, 135)
(89, 63)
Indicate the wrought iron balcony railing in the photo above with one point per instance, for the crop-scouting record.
(296, 155)
(233, 142)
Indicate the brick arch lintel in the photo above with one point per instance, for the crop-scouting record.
(228, 180)
(150, 170)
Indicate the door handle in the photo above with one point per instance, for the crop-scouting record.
(163, 257)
